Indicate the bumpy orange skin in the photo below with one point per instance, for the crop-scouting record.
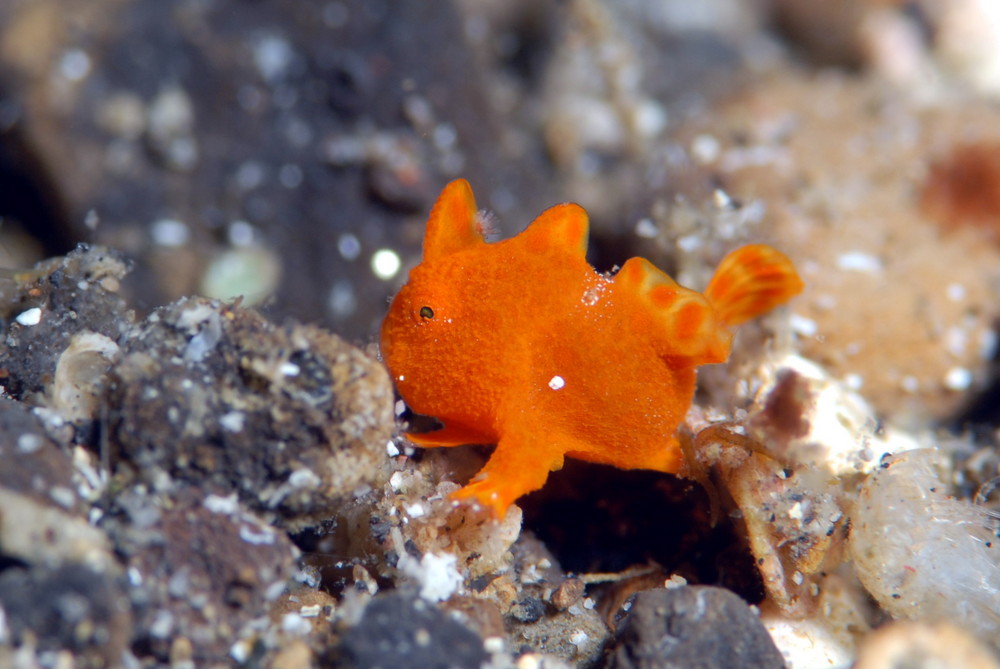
(524, 345)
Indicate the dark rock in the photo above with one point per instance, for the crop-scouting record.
(528, 610)
(67, 608)
(42, 517)
(398, 630)
(692, 627)
(291, 418)
(201, 566)
(576, 635)
(33, 464)
(74, 295)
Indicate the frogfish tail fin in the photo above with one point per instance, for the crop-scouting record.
(751, 281)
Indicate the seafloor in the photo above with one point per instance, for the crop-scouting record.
(206, 205)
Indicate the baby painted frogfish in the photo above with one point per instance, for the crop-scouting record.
(523, 344)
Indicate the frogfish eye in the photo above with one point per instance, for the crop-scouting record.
(426, 312)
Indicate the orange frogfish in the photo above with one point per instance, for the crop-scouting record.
(523, 344)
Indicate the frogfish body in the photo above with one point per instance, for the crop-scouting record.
(523, 344)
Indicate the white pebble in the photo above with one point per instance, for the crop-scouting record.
(958, 378)
(303, 478)
(646, 229)
(262, 538)
(493, 644)
(805, 327)
(29, 443)
(170, 233)
(858, 261)
(294, 624)
(232, 421)
(705, 149)
(854, 381)
(227, 505)
(956, 292)
(922, 554)
(29, 317)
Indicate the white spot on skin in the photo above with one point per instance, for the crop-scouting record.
(857, 261)
(557, 383)
(910, 384)
(29, 317)
(592, 296)
(385, 264)
(391, 450)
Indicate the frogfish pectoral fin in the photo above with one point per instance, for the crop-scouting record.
(514, 469)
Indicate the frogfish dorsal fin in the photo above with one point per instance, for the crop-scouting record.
(751, 281)
(453, 224)
(680, 322)
(562, 228)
